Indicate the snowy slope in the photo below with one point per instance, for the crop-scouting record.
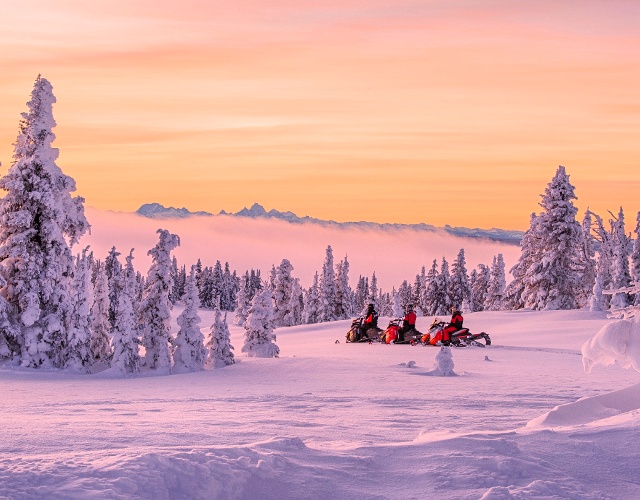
(332, 420)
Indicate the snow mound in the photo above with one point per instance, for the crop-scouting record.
(536, 489)
(444, 363)
(588, 410)
(617, 341)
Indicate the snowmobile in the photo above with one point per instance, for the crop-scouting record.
(459, 338)
(355, 333)
(390, 335)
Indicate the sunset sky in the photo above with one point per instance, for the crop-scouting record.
(445, 112)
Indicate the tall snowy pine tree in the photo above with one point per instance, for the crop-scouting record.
(557, 266)
(39, 222)
(258, 336)
(189, 353)
(155, 309)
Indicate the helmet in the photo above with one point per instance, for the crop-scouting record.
(408, 307)
(370, 307)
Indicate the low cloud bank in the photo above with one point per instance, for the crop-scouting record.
(395, 255)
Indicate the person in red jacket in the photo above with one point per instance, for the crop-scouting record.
(369, 320)
(454, 325)
(408, 323)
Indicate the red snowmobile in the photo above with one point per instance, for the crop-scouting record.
(355, 333)
(459, 338)
(390, 335)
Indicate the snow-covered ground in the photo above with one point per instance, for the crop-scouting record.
(326, 420)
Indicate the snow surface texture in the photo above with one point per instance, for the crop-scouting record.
(337, 420)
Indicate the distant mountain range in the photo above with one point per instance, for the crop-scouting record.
(257, 211)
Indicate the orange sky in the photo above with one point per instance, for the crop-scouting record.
(445, 112)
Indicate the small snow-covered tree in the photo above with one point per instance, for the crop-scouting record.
(9, 333)
(430, 291)
(344, 294)
(459, 287)
(397, 309)
(405, 293)
(635, 259)
(243, 299)
(155, 309)
(295, 312)
(442, 302)
(219, 344)
(113, 268)
(100, 326)
(327, 289)
(311, 312)
(259, 339)
(282, 290)
(126, 345)
(373, 291)
(520, 271)
(79, 357)
(480, 287)
(361, 294)
(39, 223)
(189, 353)
(620, 275)
(494, 300)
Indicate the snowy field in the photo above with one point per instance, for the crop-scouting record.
(333, 420)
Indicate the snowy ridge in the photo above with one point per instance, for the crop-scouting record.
(158, 211)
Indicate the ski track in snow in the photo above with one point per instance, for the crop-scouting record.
(327, 420)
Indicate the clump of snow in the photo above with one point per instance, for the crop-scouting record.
(617, 341)
(444, 363)
(411, 364)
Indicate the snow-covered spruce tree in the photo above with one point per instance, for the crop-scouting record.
(327, 289)
(430, 291)
(396, 308)
(258, 336)
(480, 287)
(361, 294)
(589, 256)
(113, 268)
(126, 345)
(344, 294)
(494, 300)
(418, 288)
(598, 300)
(219, 344)
(311, 313)
(520, 270)
(459, 287)
(100, 327)
(635, 260)
(272, 277)
(295, 312)
(385, 304)
(282, 289)
(405, 293)
(443, 302)
(243, 300)
(557, 270)
(39, 223)
(373, 291)
(79, 357)
(155, 309)
(189, 353)
(9, 346)
(620, 275)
